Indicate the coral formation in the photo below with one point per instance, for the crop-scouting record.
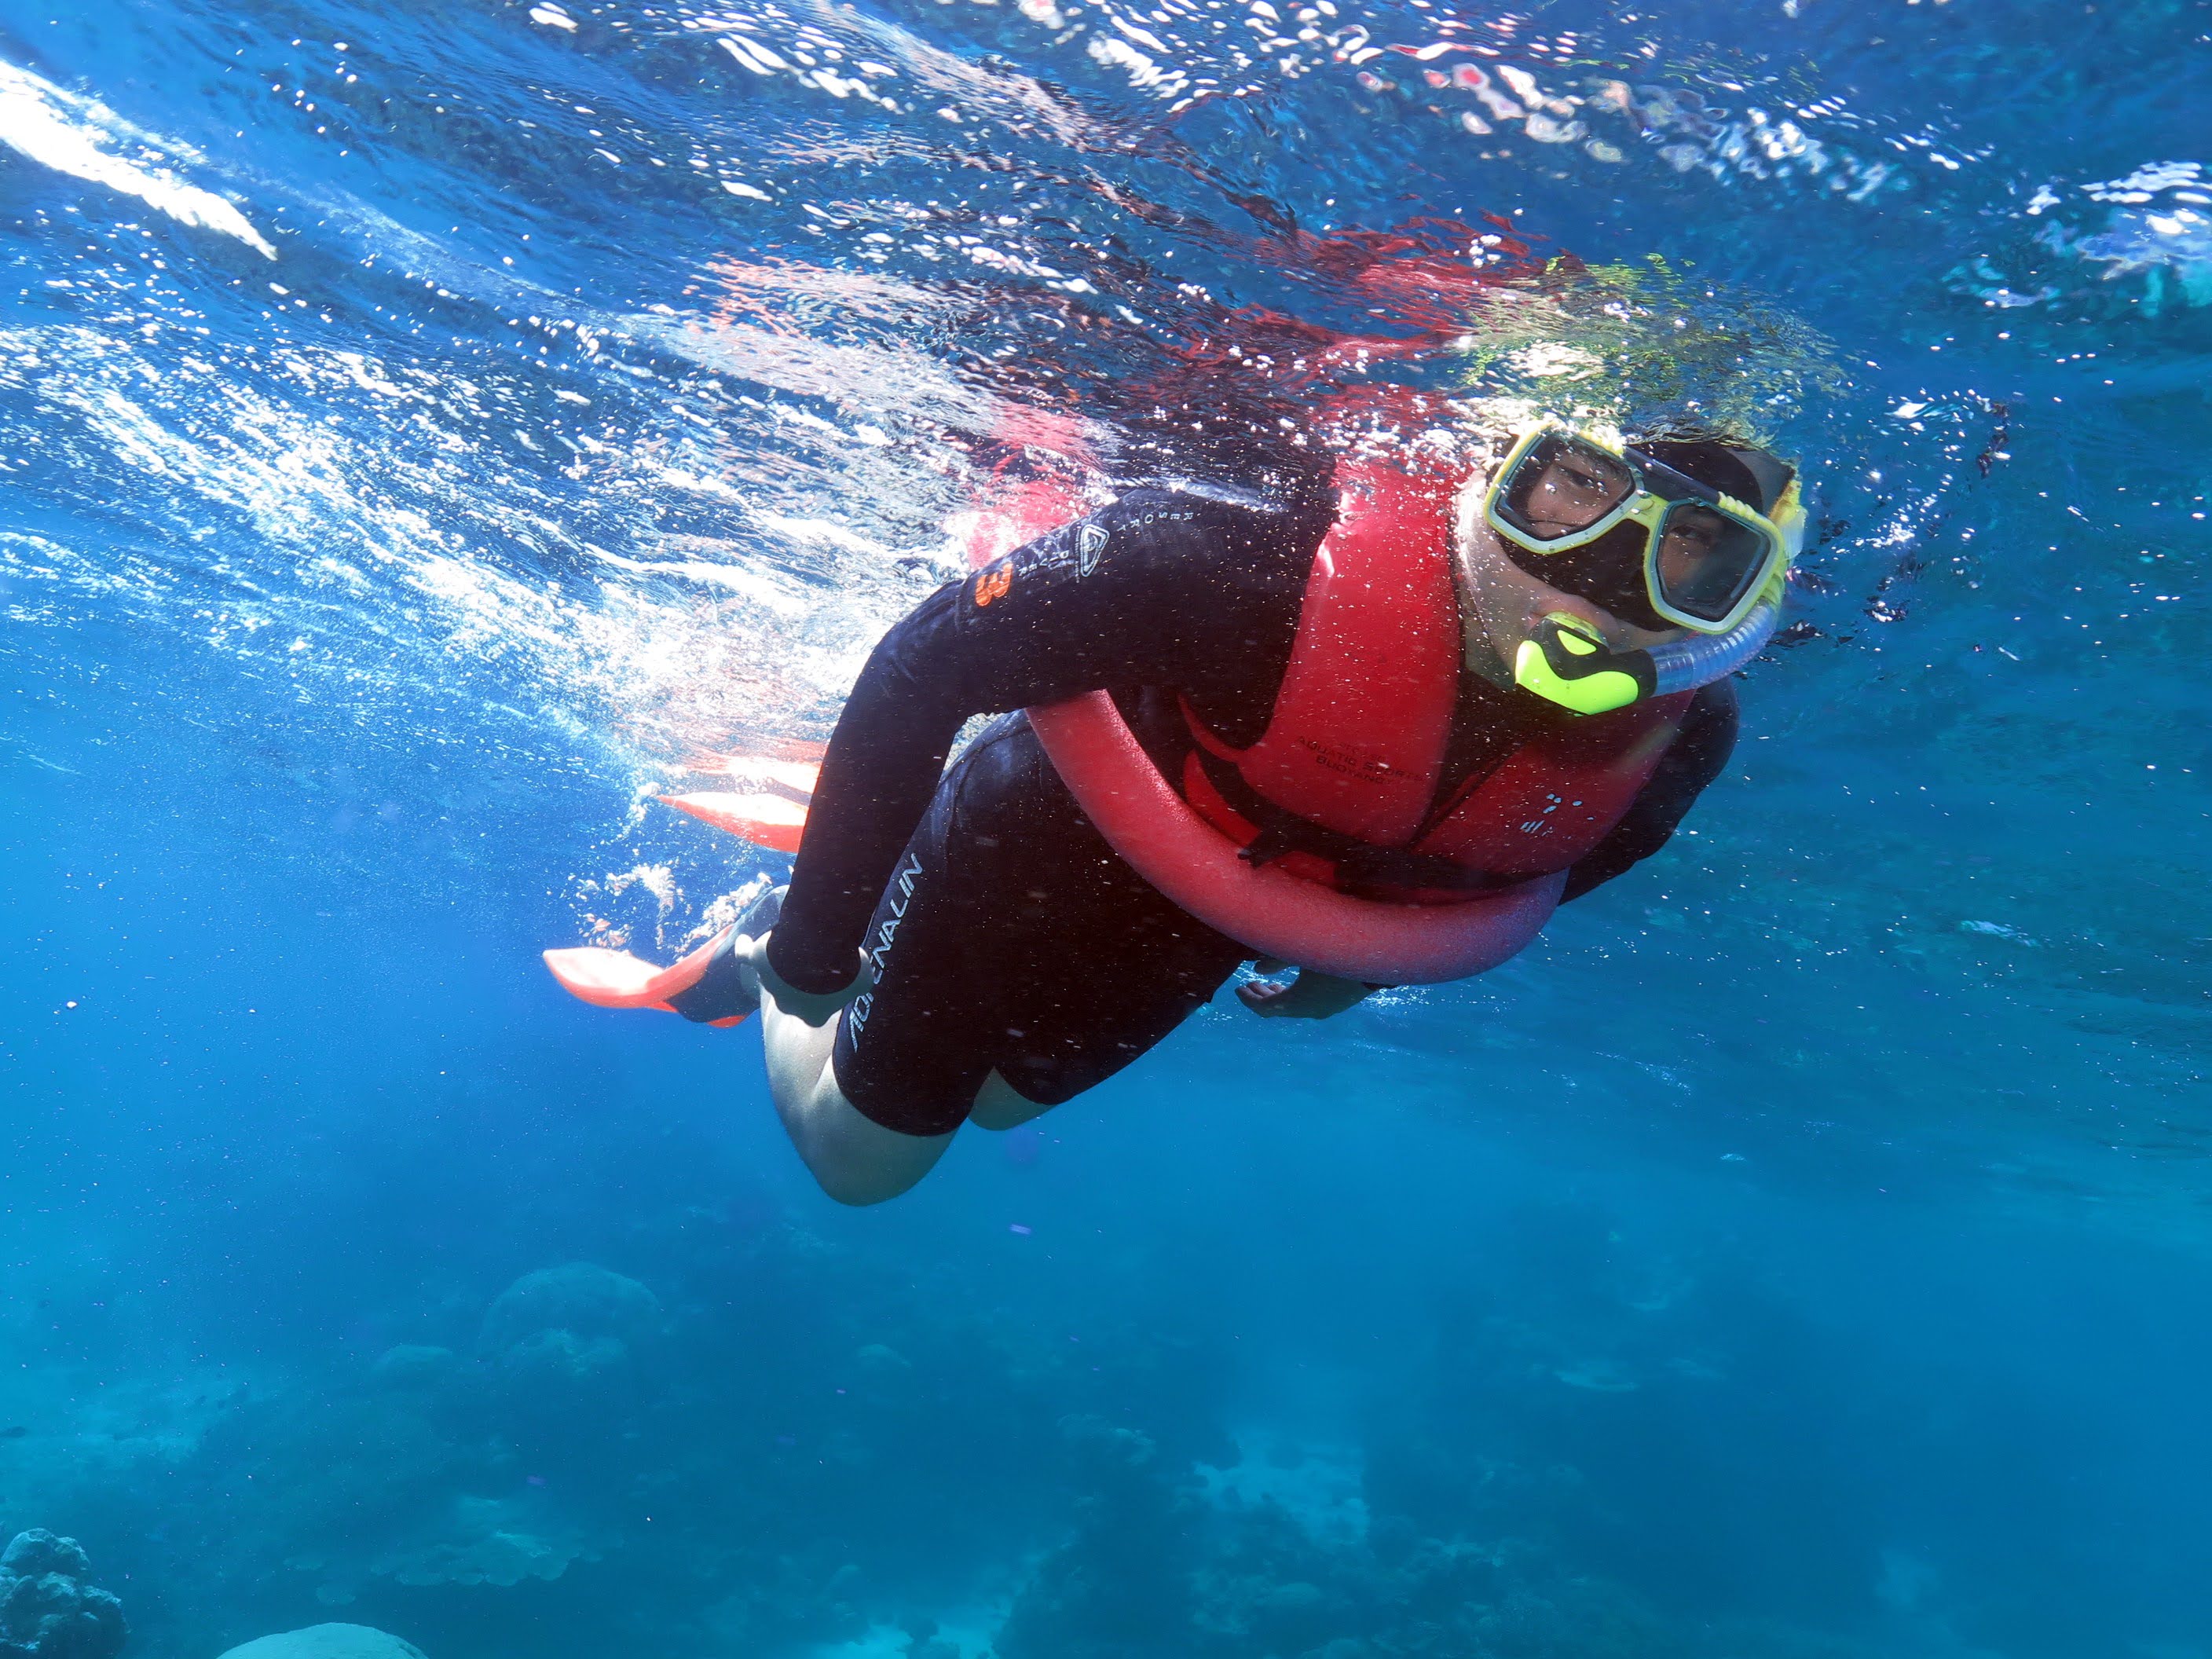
(1118, 1586)
(327, 1642)
(483, 1540)
(46, 1609)
(1162, 1561)
(417, 1365)
(766, 1436)
(579, 1317)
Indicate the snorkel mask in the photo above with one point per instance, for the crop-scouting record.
(1629, 529)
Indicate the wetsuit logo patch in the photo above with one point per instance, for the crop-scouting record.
(1090, 545)
(1072, 549)
(992, 585)
(879, 959)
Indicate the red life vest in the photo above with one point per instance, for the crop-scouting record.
(1357, 739)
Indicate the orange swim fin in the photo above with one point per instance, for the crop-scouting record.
(770, 811)
(616, 979)
(797, 778)
(709, 986)
(771, 821)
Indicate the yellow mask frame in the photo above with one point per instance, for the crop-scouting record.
(1780, 533)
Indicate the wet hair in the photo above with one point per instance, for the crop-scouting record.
(1720, 461)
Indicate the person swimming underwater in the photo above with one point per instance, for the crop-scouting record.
(1374, 727)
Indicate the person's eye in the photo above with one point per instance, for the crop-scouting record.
(1695, 535)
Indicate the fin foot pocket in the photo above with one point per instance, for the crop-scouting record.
(709, 986)
(616, 979)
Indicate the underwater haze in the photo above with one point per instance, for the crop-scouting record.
(432, 430)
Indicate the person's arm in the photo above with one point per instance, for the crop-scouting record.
(1154, 590)
(1693, 760)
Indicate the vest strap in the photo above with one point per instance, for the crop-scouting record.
(1360, 867)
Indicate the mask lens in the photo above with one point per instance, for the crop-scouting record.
(1560, 487)
(1707, 561)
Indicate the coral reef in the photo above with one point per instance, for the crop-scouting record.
(484, 1541)
(1162, 1561)
(748, 1448)
(46, 1609)
(1118, 1585)
(576, 1320)
(327, 1642)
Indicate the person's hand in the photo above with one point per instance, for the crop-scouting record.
(807, 1007)
(1308, 996)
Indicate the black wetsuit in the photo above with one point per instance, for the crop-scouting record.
(1005, 933)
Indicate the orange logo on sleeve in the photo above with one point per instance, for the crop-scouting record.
(993, 584)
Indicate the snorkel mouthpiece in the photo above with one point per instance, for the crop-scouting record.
(1563, 663)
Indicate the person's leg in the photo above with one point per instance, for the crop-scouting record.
(1000, 1105)
(872, 1098)
(856, 1159)
(1017, 962)
(1092, 966)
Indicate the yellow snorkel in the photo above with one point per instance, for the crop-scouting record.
(1563, 663)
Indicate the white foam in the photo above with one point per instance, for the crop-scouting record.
(60, 130)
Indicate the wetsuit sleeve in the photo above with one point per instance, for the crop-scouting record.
(1693, 760)
(1162, 588)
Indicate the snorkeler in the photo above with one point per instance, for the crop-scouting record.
(1374, 727)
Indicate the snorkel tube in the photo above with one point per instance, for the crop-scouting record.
(1685, 664)
(1268, 912)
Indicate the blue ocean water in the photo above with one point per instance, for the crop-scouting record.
(430, 431)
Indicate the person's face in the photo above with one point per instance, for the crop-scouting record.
(1505, 604)
(1574, 491)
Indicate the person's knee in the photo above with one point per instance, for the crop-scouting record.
(858, 1196)
(860, 1186)
(1000, 1105)
(856, 1159)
